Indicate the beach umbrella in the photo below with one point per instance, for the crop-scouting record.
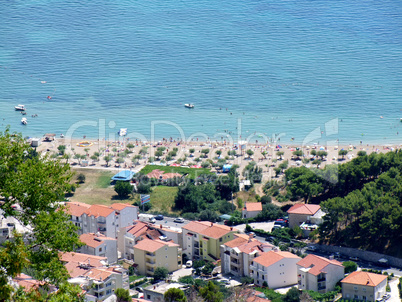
(322, 148)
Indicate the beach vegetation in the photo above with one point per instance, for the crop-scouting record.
(81, 178)
(313, 152)
(205, 152)
(232, 153)
(342, 153)
(253, 173)
(62, 149)
(317, 162)
(218, 152)
(107, 159)
(143, 151)
(322, 154)
(298, 154)
(151, 159)
(191, 173)
(130, 146)
(280, 154)
(361, 153)
(249, 152)
(191, 150)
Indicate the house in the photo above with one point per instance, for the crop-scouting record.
(161, 175)
(275, 267)
(94, 275)
(150, 254)
(251, 209)
(157, 291)
(28, 283)
(99, 245)
(130, 235)
(364, 286)
(319, 274)
(100, 218)
(300, 213)
(237, 254)
(202, 239)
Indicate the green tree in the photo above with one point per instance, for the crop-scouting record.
(81, 178)
(36, 184)
(343, 153)
(298, 153)
(292, 295)
(107, 159)
(361, 153)
(218, 152)
(249, 152)
(280, 154)
(62, 149)
(174, 295)
(123, 188)
(350, 266)
(158, 154)
(322, 154)
(123, 295)
(317, 162)
(211, 293)
(161, 273)
(264, 153)
(205, 152)
(208, 215)
(313, 152)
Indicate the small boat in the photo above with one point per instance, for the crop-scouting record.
(23, 113)
(24, 121)
(123, 131)
(20, 108)
(189, 105)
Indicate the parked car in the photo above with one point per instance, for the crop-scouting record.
(152, 220)
(159, 217)
(189, 263)
(281, 222)
(354, 258)
(179, 220)
(311, 248)
(277, 227)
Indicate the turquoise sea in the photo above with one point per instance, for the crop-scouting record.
(253, 68)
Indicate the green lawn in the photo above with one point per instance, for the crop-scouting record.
(192, 172)
(162, 198)
(104, 179)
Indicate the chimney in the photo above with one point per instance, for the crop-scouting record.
(154, 286)
(161, 226)
(212, 224)
(250, 236)
(231, 228)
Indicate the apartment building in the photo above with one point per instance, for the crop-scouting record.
(129, 236)
(275, 267)
(100, 218)
(318, 273)
(150, 254)
(364, 286)
(237, 254)
(202, 239)
(99, 245)
(94, 276)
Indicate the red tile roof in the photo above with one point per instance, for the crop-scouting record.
(27, 281)
(149, 245)
(99, 210)
(83, 258)
(121, 206)
(271, 257)
(208, 229)
(76, 208)
(364, 278)
(98, 274)
(253, 206)
(318, 264)
(306, 209)
(245, 245)
(138, 229)
(93, 240)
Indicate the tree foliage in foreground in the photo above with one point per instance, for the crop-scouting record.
(35, 184)
(174, 295)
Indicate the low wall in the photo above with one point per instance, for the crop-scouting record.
(363, 255)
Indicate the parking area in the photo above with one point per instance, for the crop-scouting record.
(184, 271)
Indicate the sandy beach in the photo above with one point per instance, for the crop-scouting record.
(265, 156)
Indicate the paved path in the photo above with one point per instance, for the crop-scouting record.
(394, 291)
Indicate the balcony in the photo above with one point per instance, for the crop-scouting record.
(196, 245)
(101, 221)
(321, 279)
(151, 263)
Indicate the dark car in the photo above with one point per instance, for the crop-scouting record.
(159, 217)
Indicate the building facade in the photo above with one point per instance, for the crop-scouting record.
(300, 213)
(150, 254)
(275, 267)
(319, 274)
(251, 209)
(238, 254)
(99, 245)
(364, 286)
(202, 239)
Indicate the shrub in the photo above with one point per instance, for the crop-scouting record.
(123, 188)
(81, 178)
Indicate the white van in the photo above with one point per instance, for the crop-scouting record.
(189, 263)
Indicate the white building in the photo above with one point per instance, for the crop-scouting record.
(275, 267)
(319, 274)
(300, 213)
(251, 209)
(100, 218)
(364, 286)
(156, 292)
(237, 254)
(99, 245)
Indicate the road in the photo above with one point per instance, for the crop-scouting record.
(167, 221)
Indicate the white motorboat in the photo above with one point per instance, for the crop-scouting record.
(20, 108)
(123, 131)
(189, 105)
(24, 121)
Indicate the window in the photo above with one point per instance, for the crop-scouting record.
(100, 249)
(355, 287)
(364, 289)
(220, 239)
